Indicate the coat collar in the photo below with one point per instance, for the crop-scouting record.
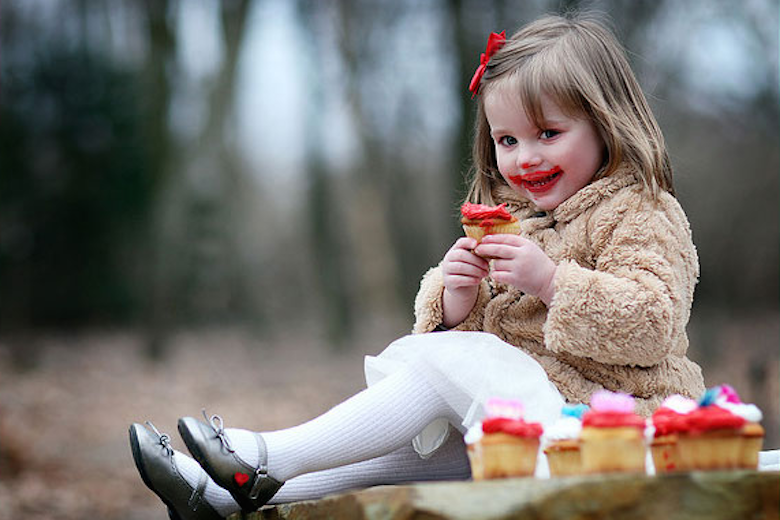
(572, 207)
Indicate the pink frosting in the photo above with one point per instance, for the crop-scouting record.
(606, 401)
(509, 408)
(728, 394)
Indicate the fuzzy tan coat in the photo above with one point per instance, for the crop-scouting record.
(627, 268)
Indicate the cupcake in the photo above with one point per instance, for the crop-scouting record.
(561, 441)
(752, 433)
(480, 220)
(509, 445)
(473, 440)
(612, 437)
(665, 424)
(712, 438)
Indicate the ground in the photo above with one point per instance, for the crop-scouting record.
(64, 452)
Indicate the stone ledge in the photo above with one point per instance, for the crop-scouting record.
(733, 495)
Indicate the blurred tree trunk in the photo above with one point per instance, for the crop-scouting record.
(160, 58)
(376, 265)
(203, 280)
(465, 65)
(355, 239)
(213, 274)
(325, 216)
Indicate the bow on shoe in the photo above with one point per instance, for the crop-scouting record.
(216, 423)
(495, 42)
(164, 438)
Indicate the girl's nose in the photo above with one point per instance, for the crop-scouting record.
(527, 161)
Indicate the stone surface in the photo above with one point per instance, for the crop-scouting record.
(733, 495)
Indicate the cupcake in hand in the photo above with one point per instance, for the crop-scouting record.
(479, 220)
(612, 438)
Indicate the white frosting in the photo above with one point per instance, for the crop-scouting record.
(649, 431)
(474, 434)
(565, 428)
(680, 404)
(749, 412)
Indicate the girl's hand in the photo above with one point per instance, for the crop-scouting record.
(520, 263)
(462, 271)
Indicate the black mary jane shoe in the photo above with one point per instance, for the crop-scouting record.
(250, 486)
(153, 457)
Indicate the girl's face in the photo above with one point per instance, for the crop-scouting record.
(546, 165)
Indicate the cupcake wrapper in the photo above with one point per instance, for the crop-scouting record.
(505, 456)
(710, 451)
(608, 450)
(564, 463)
(478, 232)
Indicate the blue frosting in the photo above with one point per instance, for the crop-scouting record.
(709, 396)
(575, 410)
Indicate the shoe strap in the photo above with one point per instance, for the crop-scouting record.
(197, 495)
(261, 477)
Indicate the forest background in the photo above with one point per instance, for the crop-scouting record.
(199, 192)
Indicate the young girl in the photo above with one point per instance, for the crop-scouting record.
(594, 293)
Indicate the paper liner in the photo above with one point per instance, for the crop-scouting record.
(476, 231)
(506, 456)
(666, 457)
(564, 459)
(712, 450)
(752, 442)
(608, 450)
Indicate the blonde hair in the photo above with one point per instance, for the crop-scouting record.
(580, 65)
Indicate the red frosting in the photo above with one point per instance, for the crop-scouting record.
(516, 427)
(612, 419)
(668, 421)
(481, 211)
(708, 418)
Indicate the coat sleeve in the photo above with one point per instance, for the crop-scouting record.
(632, 309)
(428, 307)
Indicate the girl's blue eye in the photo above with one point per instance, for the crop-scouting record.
(549, 134)
(508, 140)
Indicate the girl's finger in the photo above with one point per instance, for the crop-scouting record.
(467, 269)
(467, 257)
(465, 243)
(503, 238)
(463, 281)
(494, 251)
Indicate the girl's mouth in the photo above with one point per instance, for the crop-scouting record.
(538, 181)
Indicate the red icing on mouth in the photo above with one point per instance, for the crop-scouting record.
(538, 181)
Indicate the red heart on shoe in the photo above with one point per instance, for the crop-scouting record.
(241, 478)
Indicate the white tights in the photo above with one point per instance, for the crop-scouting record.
(403, 465)
(372, 423)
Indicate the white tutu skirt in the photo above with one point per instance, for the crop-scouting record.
(467, 369)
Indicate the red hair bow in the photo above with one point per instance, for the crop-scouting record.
(495, 42)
